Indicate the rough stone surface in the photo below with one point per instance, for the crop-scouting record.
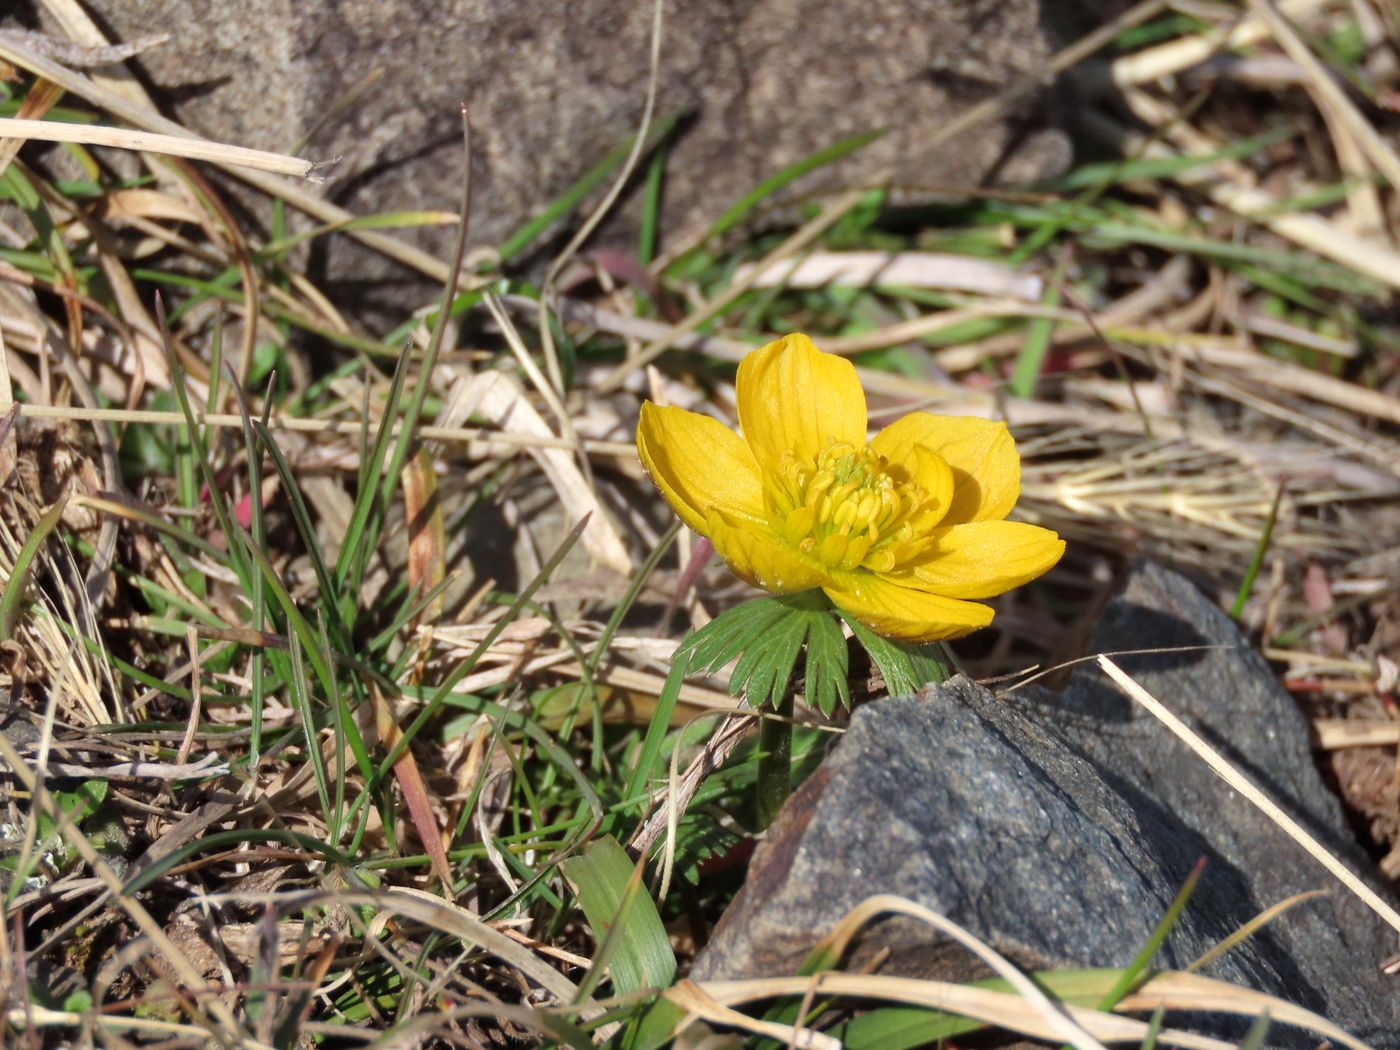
(553, 86)
(1059, 826)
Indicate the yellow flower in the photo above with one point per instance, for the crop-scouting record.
(899, 531)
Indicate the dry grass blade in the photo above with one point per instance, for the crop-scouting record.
(1189, 991)
(491, 441)
(910, 269)
(499, 399)
(143, 114)
(580, 237)
(20, 572)
(1237, 781)
(415, 791)
(449, 918)
(1376, 148)
(39, 100)
(701, 1005)
(1334, 733)
(1171, 990)
(33, 1016)
(1001, 1010)
(1306, 229)
(43, 640)
(1252, 927)
(682, 788)
(1176, 56)
(1058, 1023)
(146, 142)
(795, 243)
(427, 536)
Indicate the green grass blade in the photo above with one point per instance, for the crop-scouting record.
(648, 235)
(219, 840)
(12, 600)
(1256, 561)
(295, 620)
(1258, 1031)
(658, 728)
(304, 706)
(574, 195)
(377, 489)
(771, 185)
(1136, 970)
(444, 689)
(240, 565)
(1101, 176)
(902, 1028)
(301, 517)
(354, 552)
(634, 588)
(1031, 359)
(1154, 1028)
(257, 598)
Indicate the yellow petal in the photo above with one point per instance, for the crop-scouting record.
(794, 398)
(985, 558)
(756, 555)
(901, 612)
(931, 472)
(986, 465)
(698, 463)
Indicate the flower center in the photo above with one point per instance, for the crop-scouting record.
(849, 508)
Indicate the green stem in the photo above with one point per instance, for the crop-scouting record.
(775, 761)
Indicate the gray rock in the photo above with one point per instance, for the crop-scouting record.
(552, 87)
(1058, 827)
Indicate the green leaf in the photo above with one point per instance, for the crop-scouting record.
(632, 939)
(828, 665)
(731, 632)
(82, 800)
(905, 668)
(764, 673)
(767, 636)
(656, 1027)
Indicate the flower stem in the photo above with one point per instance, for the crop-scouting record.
(775, 761)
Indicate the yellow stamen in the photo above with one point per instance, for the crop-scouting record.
(847, 509)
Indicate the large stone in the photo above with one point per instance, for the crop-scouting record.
(553, 86)
(1058, 827)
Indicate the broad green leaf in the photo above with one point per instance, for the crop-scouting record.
(632, 940)
(905, 668)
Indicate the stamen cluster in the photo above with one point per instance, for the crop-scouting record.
(849, 508)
